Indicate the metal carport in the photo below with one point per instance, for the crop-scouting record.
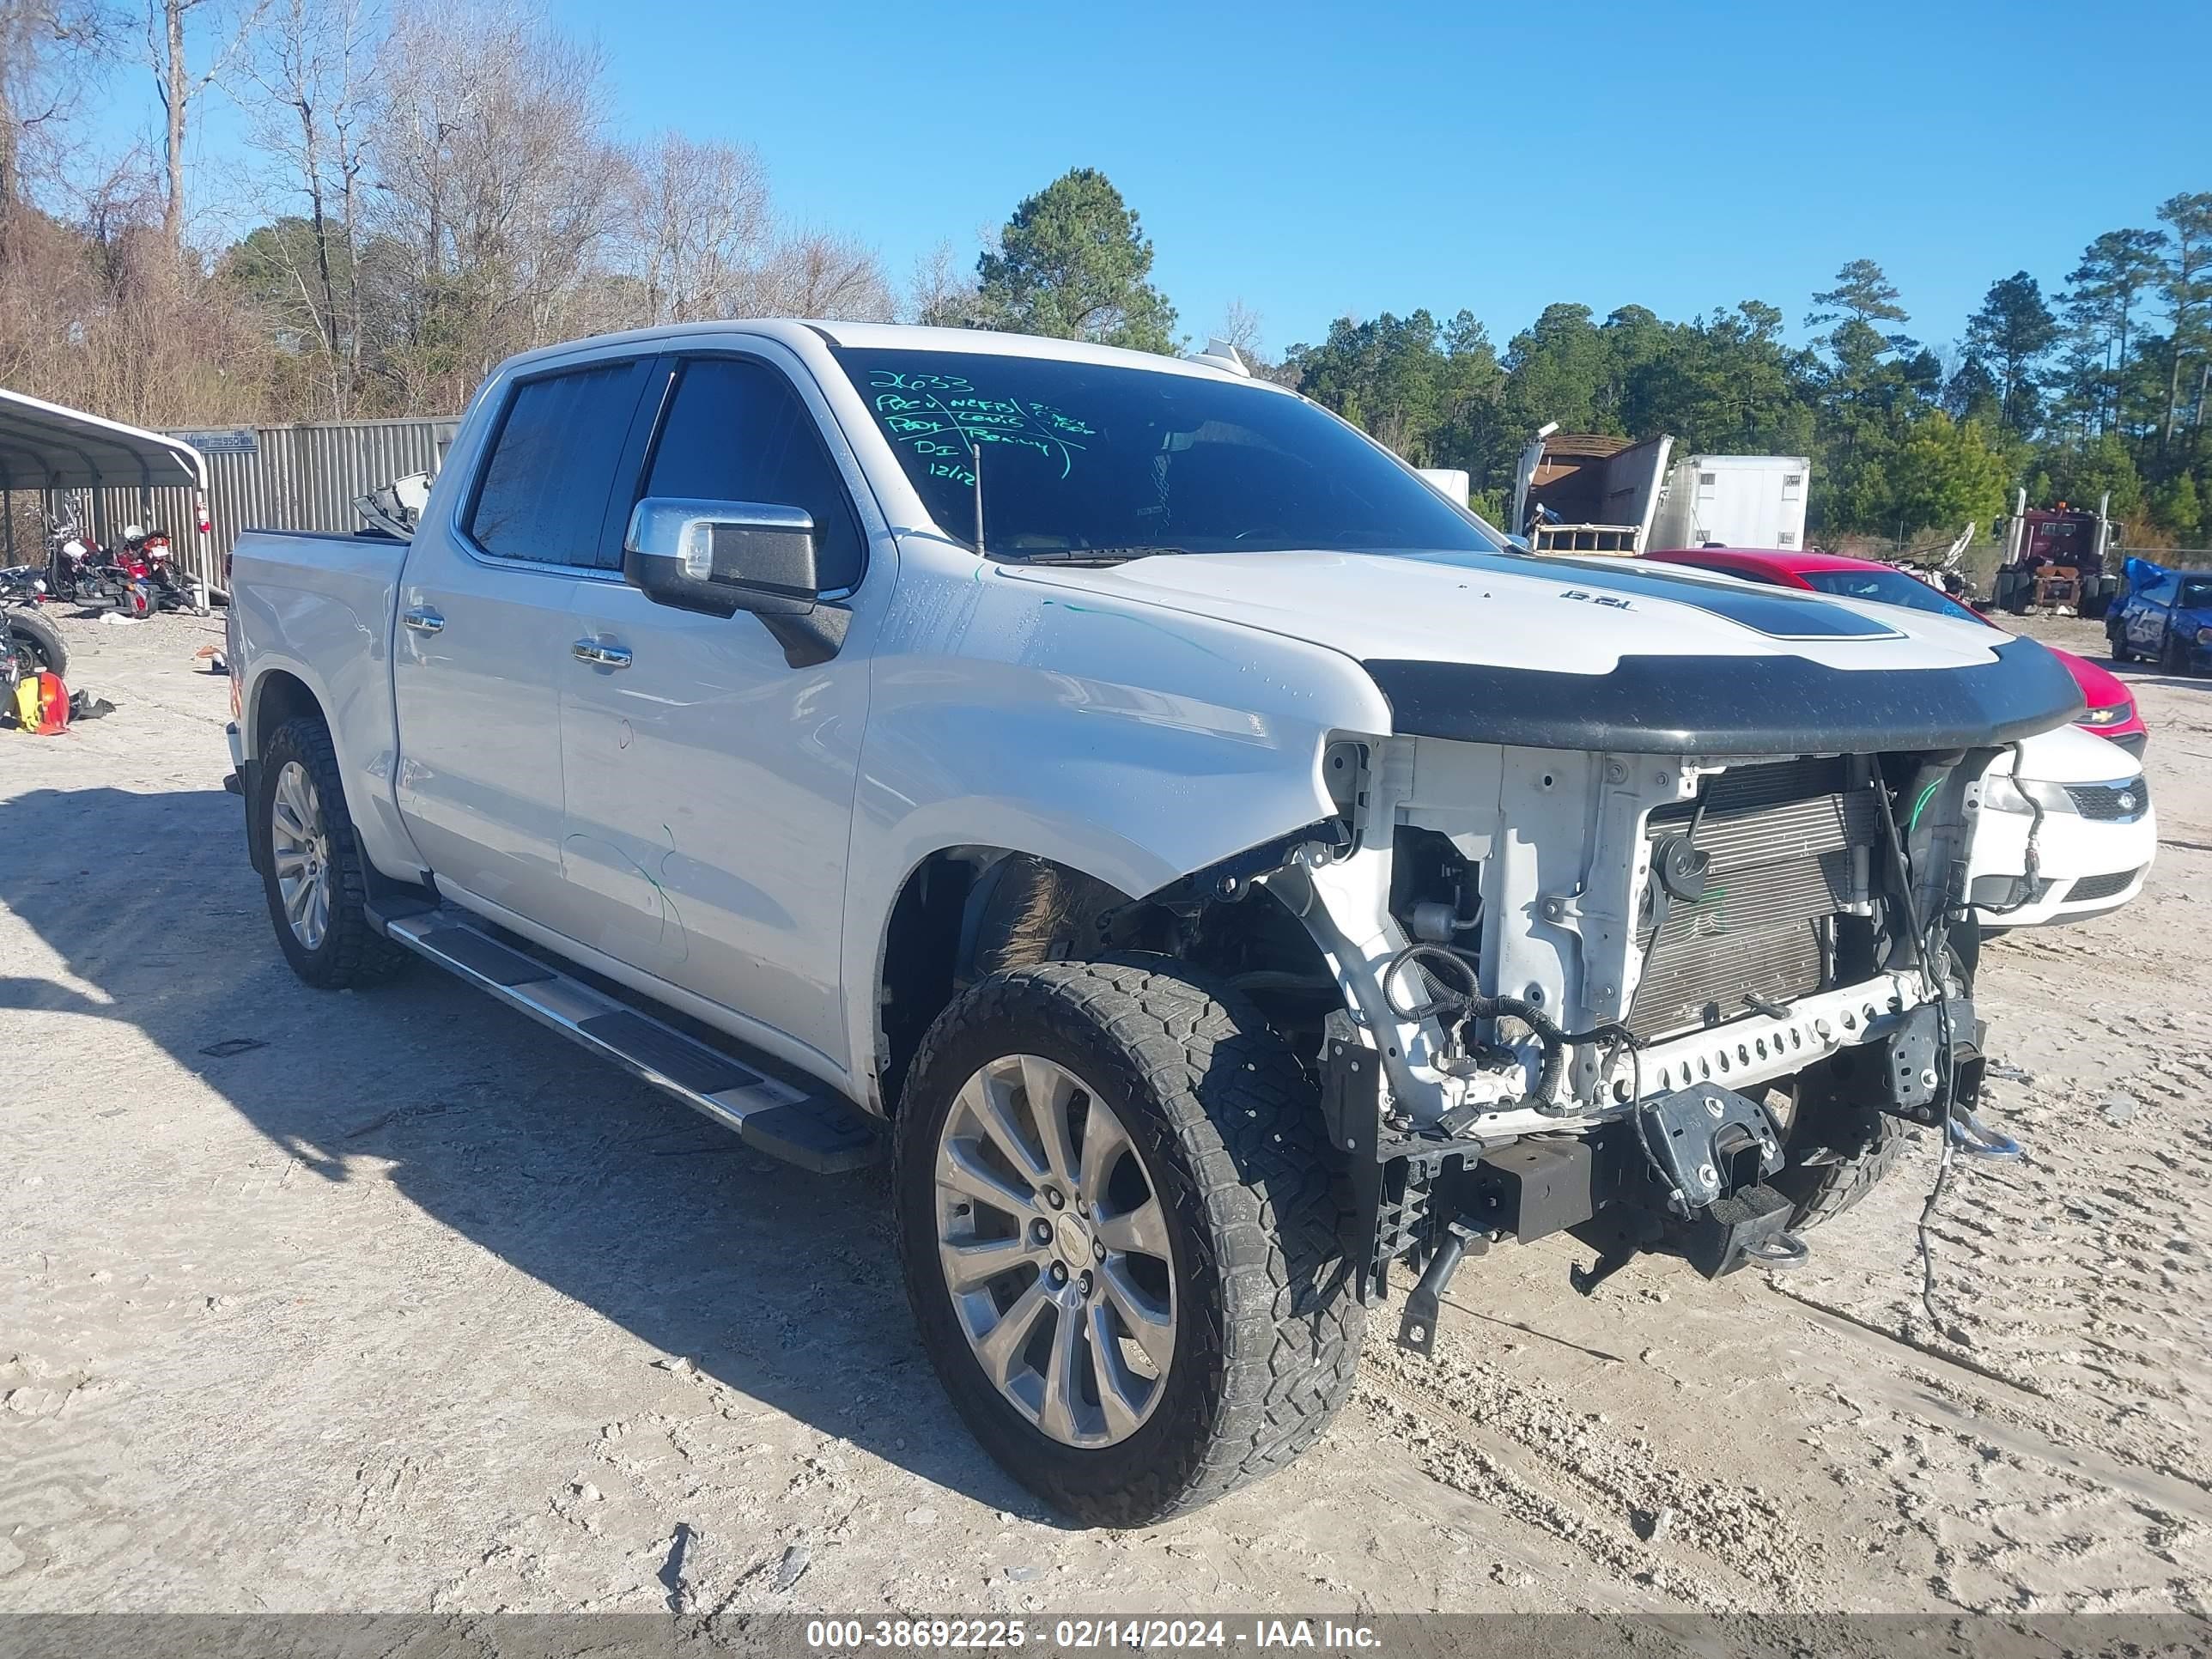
(46, 447)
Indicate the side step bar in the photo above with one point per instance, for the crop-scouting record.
(818, 1131)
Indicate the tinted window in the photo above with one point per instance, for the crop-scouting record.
(2195, 591)
(1078, 457)
(1886, 586)
(736, 431)
(543, 496)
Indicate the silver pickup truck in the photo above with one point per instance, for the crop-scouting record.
(1211, 868)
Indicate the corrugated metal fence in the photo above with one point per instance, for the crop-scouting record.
(291, 478)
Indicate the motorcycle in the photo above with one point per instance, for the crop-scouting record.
(147, 556)
(78, 571)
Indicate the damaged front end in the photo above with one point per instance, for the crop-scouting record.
(1610, 993)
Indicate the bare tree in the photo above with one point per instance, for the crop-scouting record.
(1240, 327)
(940, 295)
(495, 170)
(702, 228)
(310, 62)
(178, 88)
(49, 50)
(815, 273)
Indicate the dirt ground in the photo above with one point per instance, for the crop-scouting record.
(408, 1308)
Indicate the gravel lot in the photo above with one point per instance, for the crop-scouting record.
(408, 1308)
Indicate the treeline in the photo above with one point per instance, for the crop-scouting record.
(436, 188)
(2100, 388)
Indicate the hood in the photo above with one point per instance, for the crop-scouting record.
(2069, 755)
(1549, 653)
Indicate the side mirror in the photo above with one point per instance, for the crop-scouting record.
(720, 557)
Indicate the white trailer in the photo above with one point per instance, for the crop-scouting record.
(1449, 482)
(1733, 501)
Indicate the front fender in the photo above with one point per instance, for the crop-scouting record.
(1133, 744)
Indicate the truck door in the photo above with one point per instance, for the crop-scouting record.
(708, 782)
(482, 648)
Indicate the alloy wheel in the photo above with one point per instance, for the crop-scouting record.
(1054, 1249)
(299, 845)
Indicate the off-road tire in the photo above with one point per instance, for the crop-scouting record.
(1862, 1146)
(36, 643)
(1268, 1328)
(352, 953)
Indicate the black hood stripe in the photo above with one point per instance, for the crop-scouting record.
(1779, 705)
(1779, 613)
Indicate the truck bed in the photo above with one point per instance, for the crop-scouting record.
(319, 608)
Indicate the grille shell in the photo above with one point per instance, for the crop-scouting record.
(2099, 887)
(2102, 801)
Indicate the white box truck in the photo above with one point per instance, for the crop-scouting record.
(1733, 501)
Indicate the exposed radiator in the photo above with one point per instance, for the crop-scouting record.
(1780, 838)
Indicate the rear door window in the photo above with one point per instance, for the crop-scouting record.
(738, 431)
(543, 496)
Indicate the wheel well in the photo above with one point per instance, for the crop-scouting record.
(948, 905)
(967, 912)
(279, 697)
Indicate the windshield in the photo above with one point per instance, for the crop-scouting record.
(2195, 591)
(1080, 457)
(1886, 586)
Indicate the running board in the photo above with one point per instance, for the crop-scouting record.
(822, 1131)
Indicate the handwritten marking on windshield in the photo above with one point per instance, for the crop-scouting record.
(947, 419)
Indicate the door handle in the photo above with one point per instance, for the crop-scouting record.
(423, 620)
(600, 656)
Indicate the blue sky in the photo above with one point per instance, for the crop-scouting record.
(1319, 160)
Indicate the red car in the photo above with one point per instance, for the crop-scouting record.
(2111, 710)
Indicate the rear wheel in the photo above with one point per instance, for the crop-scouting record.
(1122, 1236)
(2121, 651)
(316, 879)
(2174, 654)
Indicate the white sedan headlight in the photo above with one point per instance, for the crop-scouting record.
(2002, 793)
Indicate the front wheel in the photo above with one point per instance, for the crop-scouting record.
(1122, 1232)
(2173, 655)
(2122, 652)
(1838, 1152)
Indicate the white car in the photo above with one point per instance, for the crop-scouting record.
(1211, 868)
(2066, 831)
